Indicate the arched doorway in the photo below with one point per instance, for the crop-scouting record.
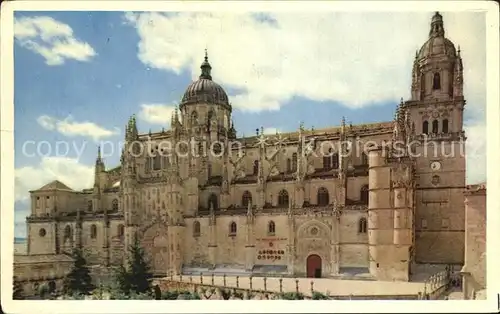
(160, 255)
(314, 266)
(52, 286)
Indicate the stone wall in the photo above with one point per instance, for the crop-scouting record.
(474, 270)
(35, 271)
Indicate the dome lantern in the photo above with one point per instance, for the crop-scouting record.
(205, 90)
(437, 44)
(437, 28)
(206, 68)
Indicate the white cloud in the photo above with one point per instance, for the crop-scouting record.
(51, 39)
(271, 131)
(21, 211)
(475, 151)
(156, 113)
(71, 128)
(353, 58)
(356, 59)
(67, 170)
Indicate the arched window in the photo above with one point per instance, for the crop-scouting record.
(147, 164)
(271, 228)
(67, 233)
(435, 126)
(255, 167)
(89, 205)
(232, 228)
(436, 82)
(246, 199)
(288, 165)
(114, 205)
(217, 148)
(364, 194)
(196, 229)
(211, 115)
(294, 162)
(335, 161)
(194, 117)
(445, 126)
(364, 159)
(327, 162)
(362, 225)
(93, 231)
(157, 161)
(425, 127)
(213, 201)
(201, 150)
(121, 230)
(323, 196)
(283, 198)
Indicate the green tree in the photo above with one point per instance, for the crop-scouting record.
(135, 277)
(78, 281)
(122, 282)
(18, 293)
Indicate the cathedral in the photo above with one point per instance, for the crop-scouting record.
(310, 203)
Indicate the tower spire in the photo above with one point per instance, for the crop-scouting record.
(99, 153)
(206, 68)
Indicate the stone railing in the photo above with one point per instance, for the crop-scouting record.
(437, 284)
(266, 288)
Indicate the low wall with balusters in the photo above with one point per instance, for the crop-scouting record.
(216, 287)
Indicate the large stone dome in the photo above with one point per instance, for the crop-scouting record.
(437, 44)
(204, 89)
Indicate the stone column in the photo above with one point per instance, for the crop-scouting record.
(212, 242)
(249, 256)
(335, 246)
(299, 195)
(250, 239)
(105, 244)
(291, 245)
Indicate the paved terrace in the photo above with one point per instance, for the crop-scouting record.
(333, 287)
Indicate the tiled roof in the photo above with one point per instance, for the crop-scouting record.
(55, 185)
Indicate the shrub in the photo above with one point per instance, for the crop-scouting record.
(169, 295)
(18, 293)
(319, 296)
(292, 296)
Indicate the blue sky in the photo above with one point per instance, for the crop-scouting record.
(80, 75)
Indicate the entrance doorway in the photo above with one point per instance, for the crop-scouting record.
(52, 286)
(314, 266)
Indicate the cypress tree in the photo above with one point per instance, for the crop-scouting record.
(139, 274)
(78, 280)
(135, 277)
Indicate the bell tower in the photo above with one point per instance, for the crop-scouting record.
(436, 114)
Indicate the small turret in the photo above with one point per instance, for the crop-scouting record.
(458, 79)
(131, 133)
(99, 163)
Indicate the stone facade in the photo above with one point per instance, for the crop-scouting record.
(474, 270)
(291, 206)
(32, 272)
